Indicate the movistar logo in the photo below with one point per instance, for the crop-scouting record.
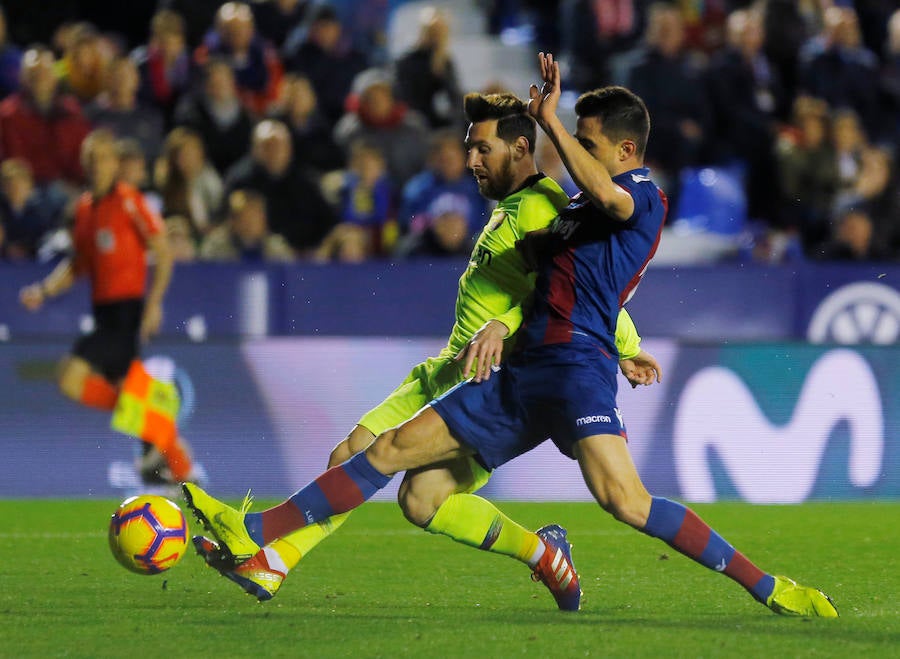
(770, 463)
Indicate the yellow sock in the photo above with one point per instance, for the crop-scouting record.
(298, 544)
(476, 522)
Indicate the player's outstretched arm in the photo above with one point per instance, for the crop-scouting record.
(641, 369)
(56, 283)
(484, 350)
(589, 174)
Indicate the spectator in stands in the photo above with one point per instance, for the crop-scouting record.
(320, 52)
(311, 133)
(808, 170)
(592, 33)
(164, 63)
(366, 225)
(216, 113)
(245, 235)
(117, 108)
(42, 125)
(191, 188)
(365, 25)
(441, 207)
(82, 69)
(181, 239)
(296, 208)
(852, 240)
(10, 61)
(704, 23)
(836, 67)
(133, 171)
(426, 76)
(275, 19)
(890, 81)
(673, 89)
(747, 99)
(27, 213)
(345, 243)
(257, 68)
(875, 191)
(198, 16)
(376, 117)
(850, 143)
(785, 32)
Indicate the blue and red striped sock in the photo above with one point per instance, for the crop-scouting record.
(683, 530)
(338, 490)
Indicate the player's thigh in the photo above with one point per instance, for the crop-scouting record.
(423, 490)
(612, 477)
(109, 352)
(424, 382)
(422, 441)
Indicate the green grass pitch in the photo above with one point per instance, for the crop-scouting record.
(381, 588)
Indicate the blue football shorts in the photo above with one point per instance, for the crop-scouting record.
(562, 392)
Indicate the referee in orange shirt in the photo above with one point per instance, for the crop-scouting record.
(114, 230)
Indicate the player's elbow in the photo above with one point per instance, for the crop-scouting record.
(611, 199)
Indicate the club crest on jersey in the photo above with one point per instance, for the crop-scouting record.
(105, 239)
(497, 218)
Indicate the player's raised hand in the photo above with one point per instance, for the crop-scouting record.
(641, 369)
(483, 351)
(544, 101)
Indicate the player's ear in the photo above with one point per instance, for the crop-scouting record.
(520, 147)
(627, 148)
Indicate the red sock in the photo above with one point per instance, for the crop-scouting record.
(99, 392)
(178, 459)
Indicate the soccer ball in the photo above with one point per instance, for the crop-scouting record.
(148, 534)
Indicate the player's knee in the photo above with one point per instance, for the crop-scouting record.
(70, 382)
(418, 509)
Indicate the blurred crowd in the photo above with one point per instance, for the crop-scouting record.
(282, 130)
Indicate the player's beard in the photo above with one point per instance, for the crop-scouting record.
(500, 185)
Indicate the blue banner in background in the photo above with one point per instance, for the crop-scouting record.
(779, 423)
(284, 359)
(821, 303)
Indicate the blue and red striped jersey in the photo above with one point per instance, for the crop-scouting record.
(589, 265)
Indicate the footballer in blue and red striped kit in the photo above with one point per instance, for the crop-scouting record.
(560, 381)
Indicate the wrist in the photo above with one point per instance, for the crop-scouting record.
(44, 289)
(552, 125)
(500, 324)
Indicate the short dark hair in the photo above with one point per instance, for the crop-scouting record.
(509, 111)
(622, 113)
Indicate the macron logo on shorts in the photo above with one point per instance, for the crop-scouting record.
(594, 418)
